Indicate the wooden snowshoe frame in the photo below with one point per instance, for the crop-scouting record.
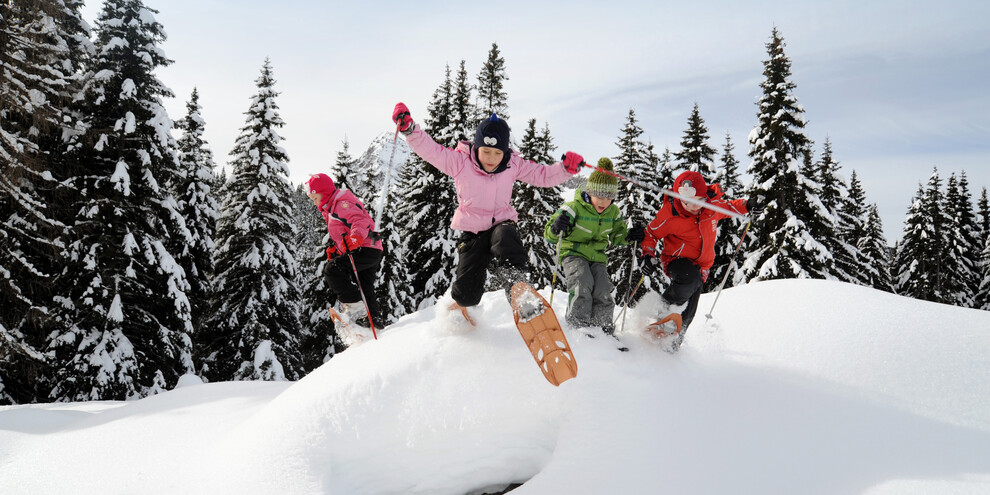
(656, 328)
(543, 336)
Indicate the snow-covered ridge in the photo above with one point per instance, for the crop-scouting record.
(794, 386)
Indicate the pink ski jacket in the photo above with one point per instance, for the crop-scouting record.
(483, 199)
(345, 214)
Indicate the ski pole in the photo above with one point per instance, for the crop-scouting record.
(632, 268)
(388, 179)
(357, 279)
(732, 265)
(668, 192)
(628, 299)
(556, 262)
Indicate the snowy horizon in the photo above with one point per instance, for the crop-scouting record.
(794, 386)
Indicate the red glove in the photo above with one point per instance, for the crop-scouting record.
(402, 118)
(353, 242)
(331, 252)
(572, 162)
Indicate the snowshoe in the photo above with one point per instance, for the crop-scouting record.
(540, 330)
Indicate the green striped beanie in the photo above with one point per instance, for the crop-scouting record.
(602, 184)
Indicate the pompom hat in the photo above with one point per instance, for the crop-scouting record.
(494, 133)
(602, 184)
(320, 184)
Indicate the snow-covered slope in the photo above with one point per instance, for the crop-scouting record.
(793, 386)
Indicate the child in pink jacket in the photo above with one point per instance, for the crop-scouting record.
(484, 174)
(352, 236)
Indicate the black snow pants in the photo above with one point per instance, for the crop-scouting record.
(685, 286)
(500, 243)
(340, 277)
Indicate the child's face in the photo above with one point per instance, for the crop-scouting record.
(693, 208)
(600, 203)
(317, 198)
(490, 158)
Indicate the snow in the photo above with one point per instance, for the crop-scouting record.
(794, 386)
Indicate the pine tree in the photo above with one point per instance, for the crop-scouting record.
(341, 169)
(636, 203)
(834, 196)
(536, 204)
(35, 87)
(875, 257)
(462, 121)
(919, 265)
(492, 97)
(729, 232)
(854, 218)
(424, 243)
(318, 341)
(198, 205)
(964, 246)
(982, 298)
(696, 154)
(783, 243)
(254, 331)
(125, 320)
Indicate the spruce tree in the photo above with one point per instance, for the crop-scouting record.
(254, 330)
(492, 97)
(875, 257)
(729, 231)
(853, 215)
(536, 204)
(197, 203)
(318, 340)
(340, 170)
(919, 266)
(962, 279)
(635, 202)
(782, 243)
(834, 196)
(420, 227)
(35, 88)
(696, 154)
(982, 298)
(126, 325)
(462, 112)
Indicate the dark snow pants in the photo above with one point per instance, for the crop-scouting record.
(685, 286)
(340, 277)
(500, 243)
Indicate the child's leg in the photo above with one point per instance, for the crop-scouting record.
(602, 305)
(368, 262)
(340, 278)
(508, 249)
(685, 280)
(580, 287)
(473, 255)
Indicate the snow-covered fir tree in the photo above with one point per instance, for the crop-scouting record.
(783, 242)
(536, 204)
(982, 298)
(34, 87)
(126, 325)
(462, 121)
(491, 96)
(636, 202)
(834, 195)
(420, 227)
(874, 254)
(197, 203)
(254, 330)
(727, 176)
(964, 246)
(853, 216)
(340, 170)
(696, 154)
(318, 340)
(921, 253)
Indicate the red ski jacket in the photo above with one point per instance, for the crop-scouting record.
(688, 236)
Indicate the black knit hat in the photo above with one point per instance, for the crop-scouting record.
(494, 133)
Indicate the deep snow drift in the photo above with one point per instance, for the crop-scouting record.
(793, 386)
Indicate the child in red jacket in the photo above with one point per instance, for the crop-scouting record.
(687, 231)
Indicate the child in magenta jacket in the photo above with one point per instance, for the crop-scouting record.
(484, 174)
(352, 232)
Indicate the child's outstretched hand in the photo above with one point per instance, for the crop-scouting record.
(636, 234)
(561, 224)
(572, 162)
(401, 117)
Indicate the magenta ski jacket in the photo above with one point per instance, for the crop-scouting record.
(483, 199)
(345, 214)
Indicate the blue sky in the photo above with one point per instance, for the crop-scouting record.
(899, 87)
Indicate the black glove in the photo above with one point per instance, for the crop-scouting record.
(636, 234)
(561, 224)
(754, 206)
(648, 265)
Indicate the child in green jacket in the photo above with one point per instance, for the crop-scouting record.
(585, 227)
